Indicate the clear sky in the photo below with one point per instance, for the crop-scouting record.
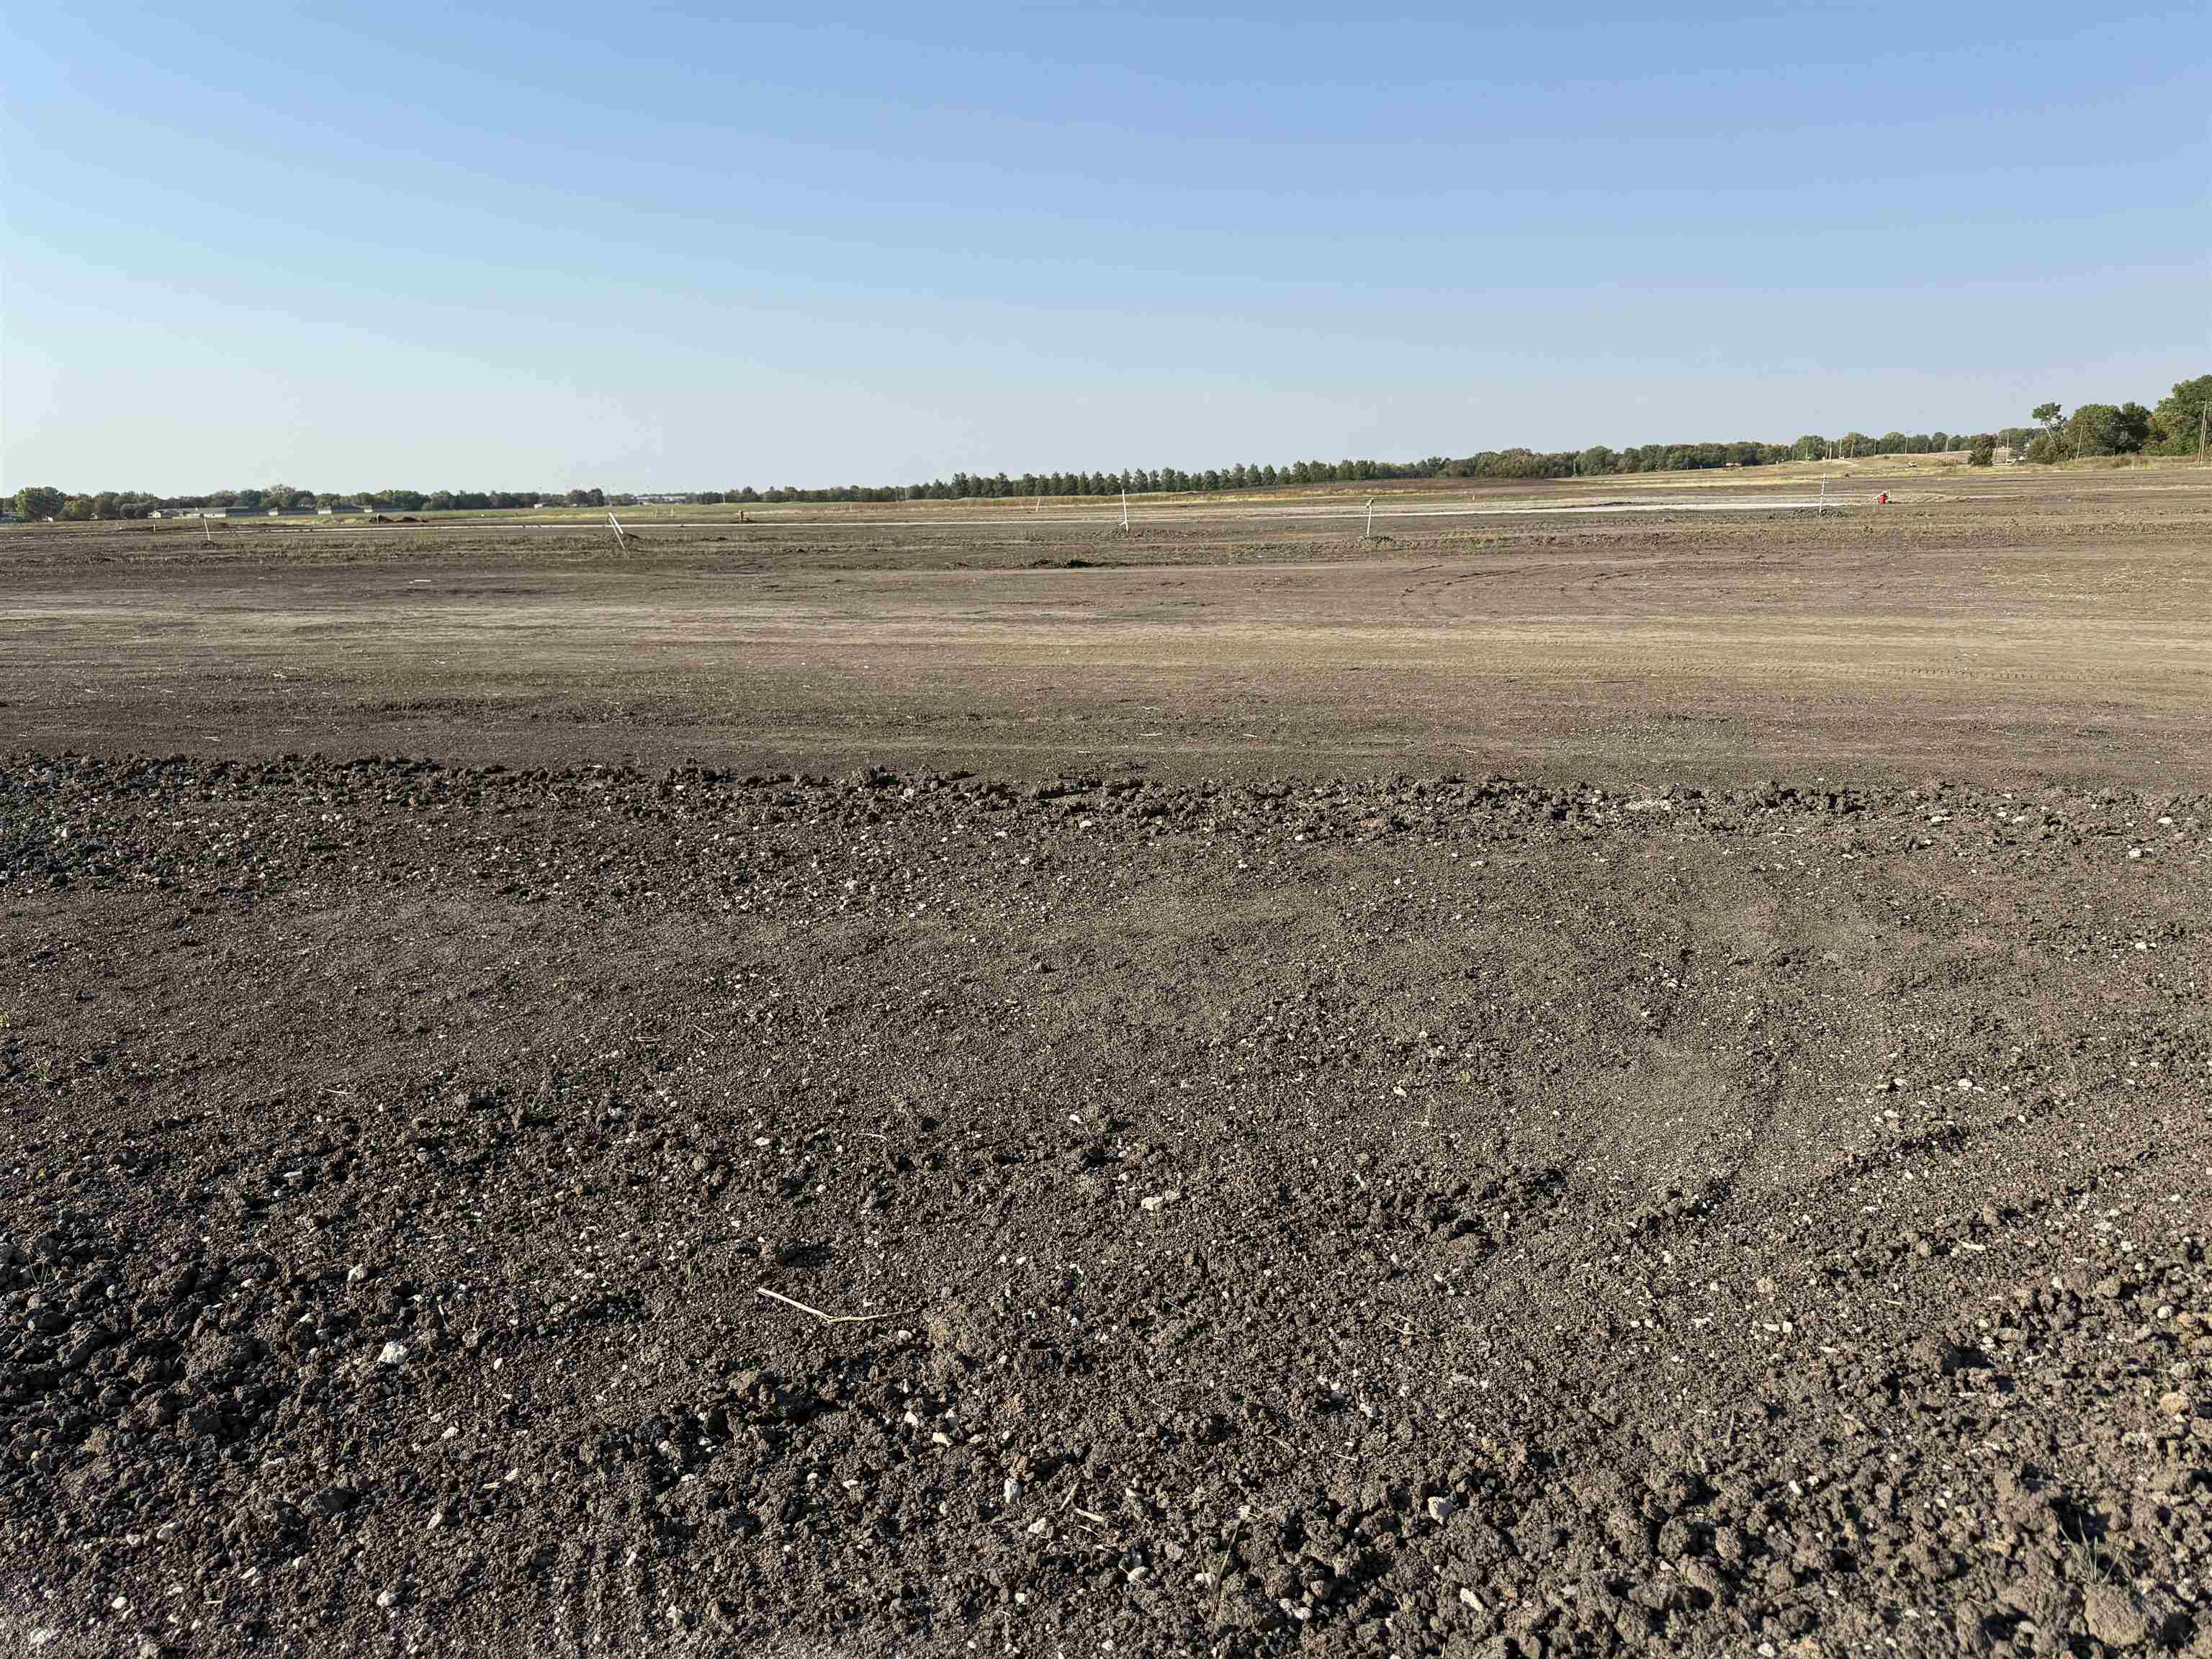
(644, 246)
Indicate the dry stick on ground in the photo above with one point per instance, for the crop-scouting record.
(826, 1318)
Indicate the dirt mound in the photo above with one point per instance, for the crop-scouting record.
(1421, 1216)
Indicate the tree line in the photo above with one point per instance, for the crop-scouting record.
(2177, 426)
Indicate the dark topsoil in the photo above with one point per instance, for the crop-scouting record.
(1409, 1216)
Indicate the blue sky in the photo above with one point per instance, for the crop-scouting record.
(643, 247)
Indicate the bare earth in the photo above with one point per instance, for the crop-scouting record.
(1559, 1085)
(2060, 633)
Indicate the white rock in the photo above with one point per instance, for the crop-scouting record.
(392, 1354)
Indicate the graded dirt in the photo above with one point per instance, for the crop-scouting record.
(1659, 1104)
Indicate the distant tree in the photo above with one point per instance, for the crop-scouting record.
(40, 502)
(75, 510)
(2178, 424)
(2103, 430)
(2046, 416)
(1982, 451)
(1594, 462)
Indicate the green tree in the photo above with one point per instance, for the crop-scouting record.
(1982, 451)
(2104, 429)
(2047, 415)
(40, 502)
(2178, 424)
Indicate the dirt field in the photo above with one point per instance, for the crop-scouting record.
(1560, 1084)
(2017, 633)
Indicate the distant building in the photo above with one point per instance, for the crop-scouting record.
(2004, 455)
(663, 498)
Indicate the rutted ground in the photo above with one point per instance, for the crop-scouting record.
(1406, 1216)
